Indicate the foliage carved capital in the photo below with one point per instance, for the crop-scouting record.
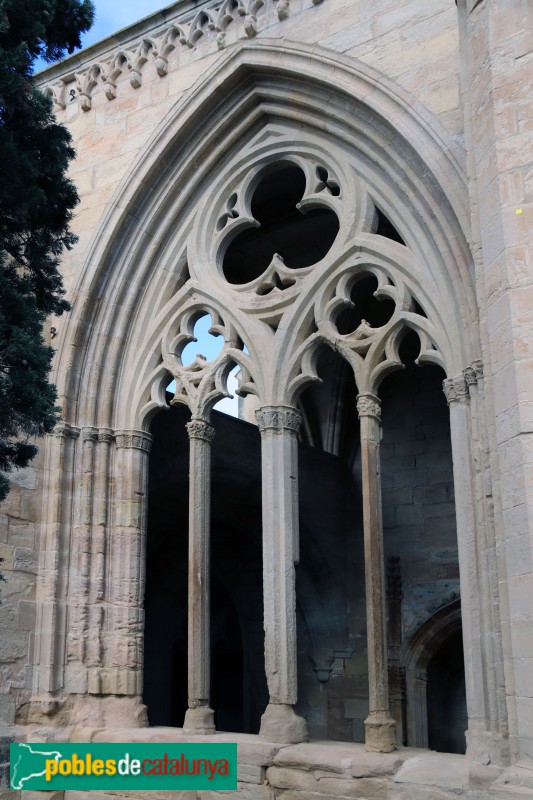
(368, 405)
(278, 419)
(456, 389)
(198, 429)
(136, 440)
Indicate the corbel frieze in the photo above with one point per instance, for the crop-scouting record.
(191, 30)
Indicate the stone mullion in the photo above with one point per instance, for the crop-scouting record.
(50, 627)
(379, 726)
(125, 590)
(279, 455)
(457, 395)
(199, 717)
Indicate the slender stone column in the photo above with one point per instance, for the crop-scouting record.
(124, 589)
(279, 427)
(469, 542)
(52, 587)
(199, 717)
(380, 733)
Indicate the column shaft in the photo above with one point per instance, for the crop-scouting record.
(199, 716)
(279, 455)
(379, 725)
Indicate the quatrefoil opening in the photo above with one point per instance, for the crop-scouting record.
(300, 239)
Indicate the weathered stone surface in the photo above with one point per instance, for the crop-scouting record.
(279, 723)
(327, 756)
(357, 788)
(283, 778)
(245, 790)
(435, 769)
(25, 560)
(13, 647)
(249, 773)
(7, 710)
(415, 792)
(371, 764)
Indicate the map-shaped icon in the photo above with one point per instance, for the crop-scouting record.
(29, 763)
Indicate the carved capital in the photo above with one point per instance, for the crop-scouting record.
(456, 389)
(278, 419)
(198, 429)
(136, 440)
(63, 431)
(368, 405)
(473, 373)
(89, 435)
(106, 435)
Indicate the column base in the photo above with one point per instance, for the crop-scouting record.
(199, 720)
(280, 723)
(380, 733)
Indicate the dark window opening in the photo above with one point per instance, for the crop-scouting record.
(386, 228)
(300, 239)
(374, 311)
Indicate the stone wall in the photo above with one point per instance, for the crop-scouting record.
(19, 529)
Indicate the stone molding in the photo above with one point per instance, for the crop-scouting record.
(278, 419)
(136, 440)
(198, 429)
(192, 29)
(368, 405)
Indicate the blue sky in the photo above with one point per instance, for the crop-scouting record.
(111, 16)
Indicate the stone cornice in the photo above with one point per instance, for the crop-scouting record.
(183, 25)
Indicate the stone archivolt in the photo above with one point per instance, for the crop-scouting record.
(350, 167)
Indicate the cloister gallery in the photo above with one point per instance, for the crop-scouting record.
(339, 576)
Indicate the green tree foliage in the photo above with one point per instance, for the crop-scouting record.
(36, 204)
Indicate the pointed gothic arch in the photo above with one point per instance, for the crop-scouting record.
(155, 265)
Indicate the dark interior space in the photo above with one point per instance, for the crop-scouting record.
(301, 239)
(446, 697)
(239, 694)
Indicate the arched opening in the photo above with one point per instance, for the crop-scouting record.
(332, 663)
(165, 600)
(446, 697)
(432, 660)
(419, 526)
(238, 687)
